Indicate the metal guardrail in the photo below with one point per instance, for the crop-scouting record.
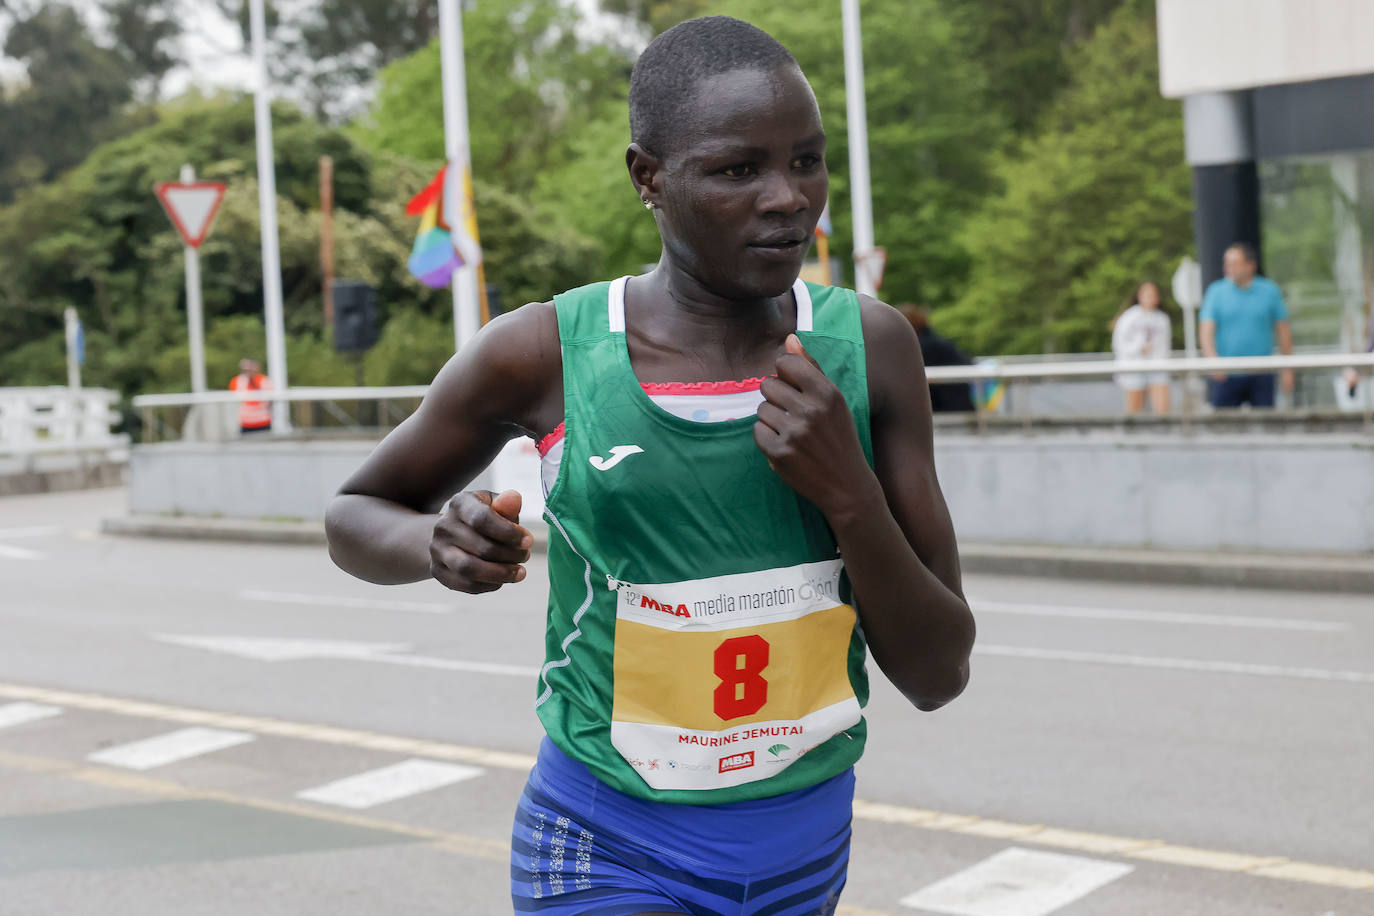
(329, 399)
(166, 416)
(36, 421)
(990, 370)
(1190, 369)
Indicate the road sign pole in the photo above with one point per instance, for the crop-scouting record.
(267, 204)
(195, 321)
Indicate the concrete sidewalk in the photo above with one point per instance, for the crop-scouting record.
(1310, 572)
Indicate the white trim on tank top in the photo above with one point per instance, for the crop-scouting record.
(616, 305)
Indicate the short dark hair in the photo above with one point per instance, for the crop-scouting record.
(676, 62)
(1246, 249)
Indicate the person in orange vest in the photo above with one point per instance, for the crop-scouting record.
(254, 416)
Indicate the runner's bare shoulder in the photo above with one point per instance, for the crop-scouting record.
(510, 375)
(893, 353)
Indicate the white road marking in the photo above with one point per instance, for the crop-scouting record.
(453, 664)
(283, 650)
(1175, 664)
(1275, 867)
(12, 714)
(1017, 882)
(19, 553)
(161, 750)
(375, 787)
(367, 604)
(34, 531)
(1207, 620)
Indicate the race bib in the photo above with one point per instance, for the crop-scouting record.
(731, 679)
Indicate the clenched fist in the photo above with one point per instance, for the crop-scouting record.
(478, 543)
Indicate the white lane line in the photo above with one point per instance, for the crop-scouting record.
(454, 664)
(390, 783)
(161, 750)
(1206, 620)
(19, 553)
(1175, 664)
(34, 531)
(1275, 867)
(12, 714)
(283, 650)
(367, 604)
(1017, 882)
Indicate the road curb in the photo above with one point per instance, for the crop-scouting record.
(1322, 572)
(258, 531)
(182, 527)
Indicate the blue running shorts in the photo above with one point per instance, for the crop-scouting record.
(581, 847)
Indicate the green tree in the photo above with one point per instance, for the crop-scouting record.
(96, 239)
(658, 15)
(144, 33)
(530, 79)
(74, 96)
(1096, 202)
(1023, 46)
(931, 137)
(327, 50)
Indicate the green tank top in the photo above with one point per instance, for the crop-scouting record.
(701, 645)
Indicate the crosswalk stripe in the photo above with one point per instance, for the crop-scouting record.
(918, 818)
(161, 750)
(389, 783)
(1017, 882)
(19, 713)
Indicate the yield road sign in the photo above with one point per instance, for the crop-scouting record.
(191, 206)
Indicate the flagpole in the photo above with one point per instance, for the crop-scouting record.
(861, 199)
(466, 296)
(267, 205)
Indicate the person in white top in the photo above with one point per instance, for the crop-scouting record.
(1143, 331)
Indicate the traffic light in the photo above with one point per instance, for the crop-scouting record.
(355, 316)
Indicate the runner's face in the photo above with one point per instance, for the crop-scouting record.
(745, 182)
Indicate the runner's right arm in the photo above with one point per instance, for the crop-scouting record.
(401, 517)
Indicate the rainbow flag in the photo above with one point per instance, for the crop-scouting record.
(439, 250)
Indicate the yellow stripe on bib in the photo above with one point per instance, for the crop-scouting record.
(720, 679)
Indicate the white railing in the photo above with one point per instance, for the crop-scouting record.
(211, 414)
(42, 420)
(290, 394)
(986, 371)
(989, 370)
(1192, 369)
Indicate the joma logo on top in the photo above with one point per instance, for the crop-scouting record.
(679, 611)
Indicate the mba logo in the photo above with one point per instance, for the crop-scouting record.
(737, 762)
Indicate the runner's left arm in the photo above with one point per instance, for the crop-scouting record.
(890, 521)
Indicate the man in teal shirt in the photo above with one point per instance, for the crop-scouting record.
(1242, 314)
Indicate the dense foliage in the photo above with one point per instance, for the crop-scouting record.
(1025, 170)
(1093, 203)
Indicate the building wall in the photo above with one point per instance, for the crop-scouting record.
(1219, 45)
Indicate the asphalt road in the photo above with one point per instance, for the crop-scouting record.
(210, 728)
